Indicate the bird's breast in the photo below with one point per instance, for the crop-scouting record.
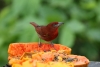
(49, 36)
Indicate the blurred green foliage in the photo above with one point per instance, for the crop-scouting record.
(81, 30)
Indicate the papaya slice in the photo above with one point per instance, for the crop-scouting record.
(32, 55)
(18, 49)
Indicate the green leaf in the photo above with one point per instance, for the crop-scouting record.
(1, 41)
(17, 6)
(88, 4)
(61, 3)
(76, 26)
(31, 7)
(86, 50)
(52, 15)
(74, 11)
(4, 12)
(67, 37)
(93, 34)
(98, 18)
(3, 56)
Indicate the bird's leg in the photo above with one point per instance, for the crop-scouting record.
(52, 44)
(40, 42)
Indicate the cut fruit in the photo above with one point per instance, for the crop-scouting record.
(18, 49)
(31, 55)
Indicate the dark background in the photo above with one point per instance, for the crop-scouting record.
(81, 29)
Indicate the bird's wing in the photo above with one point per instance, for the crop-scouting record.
(42, 30)
(45, 31)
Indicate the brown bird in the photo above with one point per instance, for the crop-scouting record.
(48, 32)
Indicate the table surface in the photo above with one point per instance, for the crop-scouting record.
(94, 64)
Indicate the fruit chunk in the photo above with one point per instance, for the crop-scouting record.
(31, 55)
(18, 49)
(41, 64)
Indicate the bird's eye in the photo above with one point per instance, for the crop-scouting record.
(54, 25)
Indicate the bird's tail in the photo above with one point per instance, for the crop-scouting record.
(34, 24)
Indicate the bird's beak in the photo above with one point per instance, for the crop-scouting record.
(59, 23)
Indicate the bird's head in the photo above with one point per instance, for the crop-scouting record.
(54, 25)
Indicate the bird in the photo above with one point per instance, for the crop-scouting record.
(48, 32)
